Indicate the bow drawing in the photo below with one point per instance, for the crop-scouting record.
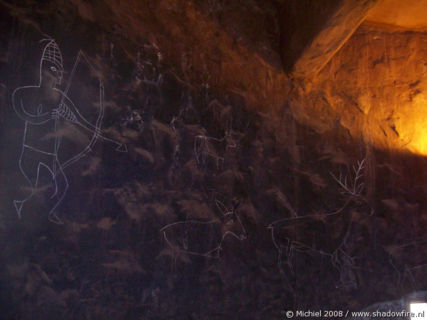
(66, 113)
(31, 104)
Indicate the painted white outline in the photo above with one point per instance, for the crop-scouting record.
(210, 252)
(67, 111)
(204, 149)
(407, 268)
(292, 245)
(352, 188)
(132, 118)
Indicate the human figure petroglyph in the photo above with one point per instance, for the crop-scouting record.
(42, 107)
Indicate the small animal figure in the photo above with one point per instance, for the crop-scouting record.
(208, 149)
(204, 238)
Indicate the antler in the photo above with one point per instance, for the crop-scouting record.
(351, 185)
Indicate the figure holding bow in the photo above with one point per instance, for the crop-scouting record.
(41, 107)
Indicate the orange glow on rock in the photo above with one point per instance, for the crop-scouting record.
(412, 125)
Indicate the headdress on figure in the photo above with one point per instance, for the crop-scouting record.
(52, 54)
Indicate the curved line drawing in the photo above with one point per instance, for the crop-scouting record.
(205, 148)
(407, 257)
(38, 106)
(178, 235)
(351, 187)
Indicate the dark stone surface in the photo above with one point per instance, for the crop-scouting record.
(110, 260)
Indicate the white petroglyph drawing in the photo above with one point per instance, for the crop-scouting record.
(187, 113)
(222, 115)
(179, 118)
(352, 186)
(42, 107)
(133, 120)
(407, 258)
(209, 148)
(212, 149)
(147, 67)
(205, 238)
(313, 233)
(205, 150)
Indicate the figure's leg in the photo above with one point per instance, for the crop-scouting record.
(288, 275)
(289, 255)
(61, 187)
(30, 169)
(345, 266)
(408, 274)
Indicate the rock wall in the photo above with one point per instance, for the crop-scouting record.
(374, 87)
(211, 185)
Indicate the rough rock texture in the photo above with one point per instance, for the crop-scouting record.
(221, 53)
(374, 87)
(325, 27)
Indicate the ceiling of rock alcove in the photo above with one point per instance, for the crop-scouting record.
(399, 14)
(373, 84)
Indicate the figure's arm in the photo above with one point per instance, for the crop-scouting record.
(18, 106)
(75, 116)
